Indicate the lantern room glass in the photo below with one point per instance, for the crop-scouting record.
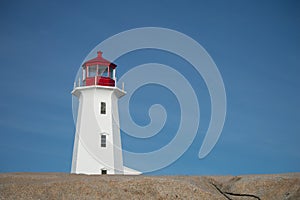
(103, 71)
(111, 74)
(92, 71)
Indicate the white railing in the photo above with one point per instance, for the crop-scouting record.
(80, 83)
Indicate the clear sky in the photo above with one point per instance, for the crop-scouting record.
(255, 44)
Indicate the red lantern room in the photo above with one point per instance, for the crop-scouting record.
(99, 71)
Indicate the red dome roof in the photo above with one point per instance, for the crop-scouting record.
(99, 60)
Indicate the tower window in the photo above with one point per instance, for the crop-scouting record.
(103, 140)
(103, 171)
(103, 108)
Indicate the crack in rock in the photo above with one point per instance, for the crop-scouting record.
(243, 195)
(225, 194)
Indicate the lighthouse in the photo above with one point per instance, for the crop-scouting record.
(97, 145)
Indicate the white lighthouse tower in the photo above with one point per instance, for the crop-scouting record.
(97, 145)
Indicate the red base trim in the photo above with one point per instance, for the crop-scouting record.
(105, 81)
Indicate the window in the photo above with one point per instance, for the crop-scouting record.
(103, 108)
(92, 71)
(101, 70)
(105, 73)
(103, 140)
(111, 75)
(83, 74)
(103, 171)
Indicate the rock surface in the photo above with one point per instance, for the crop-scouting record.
(71, 186)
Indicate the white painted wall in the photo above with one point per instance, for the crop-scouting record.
(88, 156)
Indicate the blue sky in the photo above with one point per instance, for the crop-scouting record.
(255, 44)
